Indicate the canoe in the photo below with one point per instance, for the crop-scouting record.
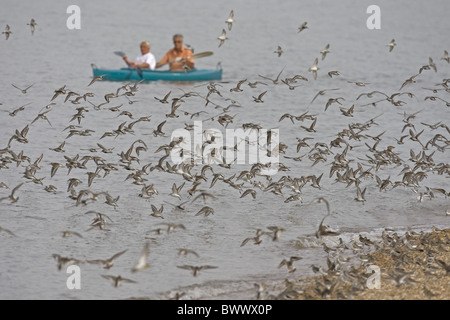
(126, 74)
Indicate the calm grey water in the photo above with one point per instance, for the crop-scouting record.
(56, 56)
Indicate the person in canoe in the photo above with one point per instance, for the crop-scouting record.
(179, 57)
(146, 60)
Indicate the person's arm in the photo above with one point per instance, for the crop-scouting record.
(164, 60)
(135, 65)
(190, 63)
(142, 65)
(128, 62)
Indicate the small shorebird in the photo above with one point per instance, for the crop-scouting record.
(325, 51)
(325, 230)
(303, 27)
(249, 191)
(254, 84)
(333, 100)
(408, 81)
(59, 91)
(275, 81)
(311, 127)
(279, 51)
(391, 45)
(314, 68)
(360, 194)
(7, 32)
(24, 91)
(158, 131)
(67, 233)
(178, 207)
(173, 108)
(184, 252)
(259, 97)
(117, 280)
(176, 190)
(238, 87)
(173, 226)
(230, 20)
(164, 100)
(100, 77)
(107, 263)
(349, 112)
(276, 231)
(60, 148)
(289, 263)
(446, 57)
(333, 73)
(16, 111)
(196, 269)
(11, 196)
(206, 211)
(142, 263)
(157, 213)
(321, 93)
(55, 167)
(222, 37)
(91, 176)
(32, 25)
(64, 261)
(256, 240)
(432, 64)
(43, 116)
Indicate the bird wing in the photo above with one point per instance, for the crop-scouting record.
(161, 125)
(118, 254)
(15, 189)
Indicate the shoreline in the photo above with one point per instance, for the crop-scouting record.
(411, 266)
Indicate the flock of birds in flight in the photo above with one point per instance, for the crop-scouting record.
(340, 167)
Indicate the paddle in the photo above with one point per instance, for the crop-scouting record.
(122, 54)
(194, 56)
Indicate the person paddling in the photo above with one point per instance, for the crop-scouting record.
(179, 57)
(146, 60)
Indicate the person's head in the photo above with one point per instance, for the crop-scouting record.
(178, 41)
(145, 47)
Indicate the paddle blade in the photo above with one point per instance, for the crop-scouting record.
(120, 53)
(202, 54)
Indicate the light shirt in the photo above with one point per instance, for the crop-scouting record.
(146, 58)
